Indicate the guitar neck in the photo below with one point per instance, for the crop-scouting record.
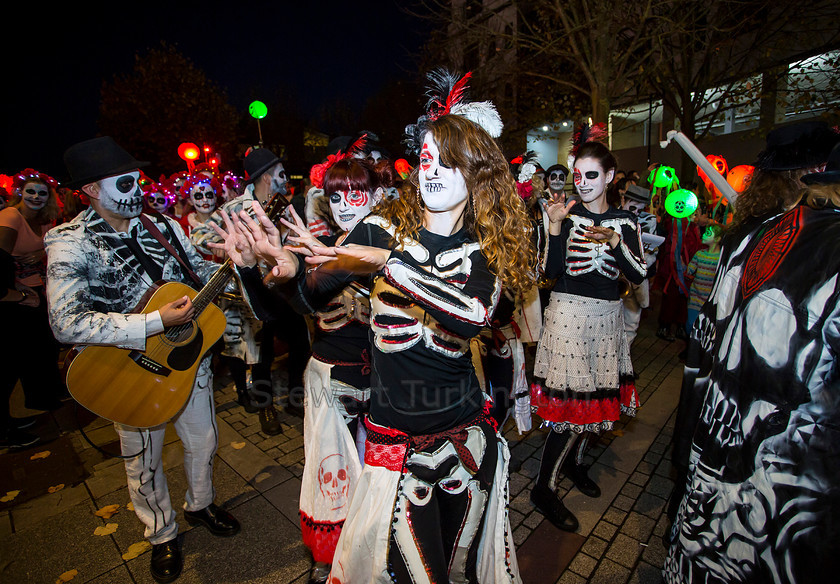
(219, 280)
(214, 287)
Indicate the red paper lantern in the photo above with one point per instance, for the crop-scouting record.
(719, 164)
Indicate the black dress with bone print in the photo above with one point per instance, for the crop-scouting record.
(432, 297)
(591, 269)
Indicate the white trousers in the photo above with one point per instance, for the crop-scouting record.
(634, 302)
(147, 487)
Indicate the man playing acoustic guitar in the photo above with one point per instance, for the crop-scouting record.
(99, 267)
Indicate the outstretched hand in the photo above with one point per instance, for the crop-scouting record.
(356, 259)
(234, 243)
(303, 240)
(557, 211)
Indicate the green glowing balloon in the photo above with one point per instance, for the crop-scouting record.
(681, 203)
(663, 176)
(257, 110)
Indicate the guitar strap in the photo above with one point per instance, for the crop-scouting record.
(179, 255)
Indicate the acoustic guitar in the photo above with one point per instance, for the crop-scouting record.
(148, 388)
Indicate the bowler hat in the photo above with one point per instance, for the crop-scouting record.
(257, 162)
(95, 159)
(637, 193)
(831, 175)
(800, 145)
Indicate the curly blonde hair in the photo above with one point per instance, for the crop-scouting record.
(495, 216)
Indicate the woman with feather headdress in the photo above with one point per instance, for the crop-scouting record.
(430, 505)
(583, 357)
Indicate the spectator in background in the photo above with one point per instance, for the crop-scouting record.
(701, 272)
(28, 349)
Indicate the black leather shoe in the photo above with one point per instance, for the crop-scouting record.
(553, 509)
(269, 423)
(214, 518)
(319, 573)
(579, 474)
(167, 561)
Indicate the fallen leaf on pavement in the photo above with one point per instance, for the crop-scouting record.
(136, 549)
(262, 476)
(56, 488)
(130, 506)
(9, 496)
(238, 445)
(42, 454)
(106, 529)
(67, 576)
(108, 511)
(618, 432)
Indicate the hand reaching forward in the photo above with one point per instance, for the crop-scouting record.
(303, 240)
(557, 211)
(356, 259)
(234, 243)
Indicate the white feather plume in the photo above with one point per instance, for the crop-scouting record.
(482, 113)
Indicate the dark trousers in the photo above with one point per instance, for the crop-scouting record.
(291, 328)
(29, 353)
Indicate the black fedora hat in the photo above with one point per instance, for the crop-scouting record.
(830, 175)
(637, 193)
(800, 145)
(257, 162)
(95, 159)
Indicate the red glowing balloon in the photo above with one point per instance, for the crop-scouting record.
(739, 177)
(188, 151)
(719, 164)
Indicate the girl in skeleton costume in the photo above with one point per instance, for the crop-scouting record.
(28, 349)
(200, 190)
(158, 196)
(337, 379)
(583, 356)
(430, 505)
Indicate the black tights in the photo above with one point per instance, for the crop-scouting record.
(558, 447)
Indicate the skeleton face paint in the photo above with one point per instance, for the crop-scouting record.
(35, 195)
(634, 207)
(350, 207)
(442, 188)
(203, 198)
(556, 180)
(590, 179)
(121, 195)
(279, 182)
(157, 201)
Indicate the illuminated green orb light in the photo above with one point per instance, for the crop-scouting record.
(257, 110)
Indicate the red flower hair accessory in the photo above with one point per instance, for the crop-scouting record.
(319, 171)
(31, 175)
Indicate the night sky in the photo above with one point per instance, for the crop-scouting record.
(55, 59)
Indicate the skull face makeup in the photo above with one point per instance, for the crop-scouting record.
(590, 179)
(442, 188)
(35, 195)
(279, 182)
(350, 207)
(121, 195)
(157, 201)
(556, 180)
(634, 207)
(203, 198)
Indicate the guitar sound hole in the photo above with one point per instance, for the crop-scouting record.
(180, 333)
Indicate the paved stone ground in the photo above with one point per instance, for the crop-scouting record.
(258, 478)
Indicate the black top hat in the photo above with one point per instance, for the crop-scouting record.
(95, 159)
(637, 193)
(800, 145)
(257, 162)
(831, 175)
